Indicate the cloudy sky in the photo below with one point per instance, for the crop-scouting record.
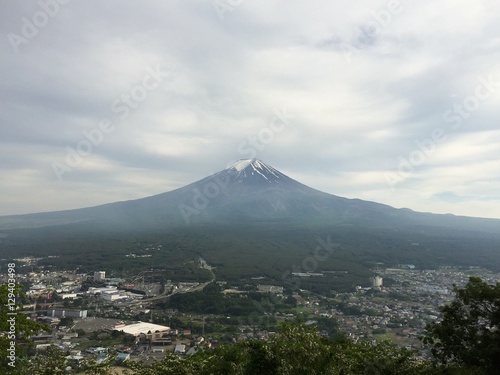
(396, 102)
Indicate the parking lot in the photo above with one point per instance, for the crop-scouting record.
(95, 324)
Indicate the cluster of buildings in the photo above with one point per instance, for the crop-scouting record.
(401, 311)
(398, 305)
(146, 342)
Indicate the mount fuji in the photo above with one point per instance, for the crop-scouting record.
(251, 219)
(249, 191)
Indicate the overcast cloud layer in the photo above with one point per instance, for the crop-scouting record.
(394, 102)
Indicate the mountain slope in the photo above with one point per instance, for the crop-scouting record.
(248, 191)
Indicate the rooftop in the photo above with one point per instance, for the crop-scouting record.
(141, 327)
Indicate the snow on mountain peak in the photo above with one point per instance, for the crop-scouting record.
(255, 167)
(242, 164)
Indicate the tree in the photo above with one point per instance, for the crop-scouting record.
(66, 321)
(296, 350)
(291, 301)
(16, 326)
(51, 362)
(54, 361)
(468, 333)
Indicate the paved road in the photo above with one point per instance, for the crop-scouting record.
(165, 295)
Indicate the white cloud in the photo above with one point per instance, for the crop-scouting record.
(352, 121)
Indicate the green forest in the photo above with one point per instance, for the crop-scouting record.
(239, 253)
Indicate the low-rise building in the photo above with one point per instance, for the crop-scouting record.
(270, 289)
(180, 349)
(60, 313)
(142, 329)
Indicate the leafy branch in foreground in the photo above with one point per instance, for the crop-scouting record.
(295, 350)
(468, 334)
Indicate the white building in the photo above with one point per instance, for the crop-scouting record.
(59, 313)
(180, 349)
(36, 290)
(377, 282)
(69, 295)
(107, 289)
(113, 295)
(148, 330)
(269, 289)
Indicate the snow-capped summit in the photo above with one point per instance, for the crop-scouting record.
(248, 191)
(254, 171)
(242, 164)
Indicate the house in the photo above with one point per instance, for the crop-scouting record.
(269, 289)
(123, 357)
(180, 349)
(74, 360)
